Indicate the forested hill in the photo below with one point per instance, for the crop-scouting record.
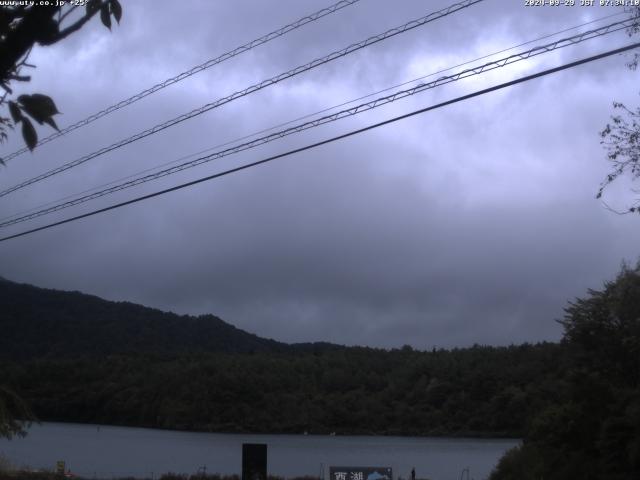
(575, 403)
(42, 323)
(75, 357)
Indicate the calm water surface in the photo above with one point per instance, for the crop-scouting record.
(105, 452)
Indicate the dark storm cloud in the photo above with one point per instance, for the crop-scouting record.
(474, 223)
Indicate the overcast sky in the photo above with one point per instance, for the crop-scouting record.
(473, 223)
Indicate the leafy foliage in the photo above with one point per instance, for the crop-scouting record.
(592, 429)
(14, 414)
(480, 391)
(22, 26)
(621, 137)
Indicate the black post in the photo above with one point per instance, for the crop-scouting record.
(254, 461)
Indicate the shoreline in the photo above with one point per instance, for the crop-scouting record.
(453, 436)
(106, 451)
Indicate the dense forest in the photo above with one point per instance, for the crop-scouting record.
(475, 391)
(75, 357)
(576, 404)
(590, 429)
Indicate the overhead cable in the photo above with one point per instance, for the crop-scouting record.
(254, 88)
(330, 140)
(303, 117)
(297, 119)
(576, 39)
(186, 74)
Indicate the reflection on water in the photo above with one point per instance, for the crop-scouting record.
(106, 451)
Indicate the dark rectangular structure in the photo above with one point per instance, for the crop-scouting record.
(360, 473)
(254, 461)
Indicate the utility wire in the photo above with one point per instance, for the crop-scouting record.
(289, 122)
(614, 27)
(197, 69)
(332, 139)
(254, 88)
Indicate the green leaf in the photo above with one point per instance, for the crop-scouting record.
(40, 107)
(116, 9)
(52, 123)
(47, 31)
(104, 16)
(93, 6)
(14, 109)
(29, 133)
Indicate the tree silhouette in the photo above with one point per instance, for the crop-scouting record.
(21, 28)
(621, 137)
(14, 414)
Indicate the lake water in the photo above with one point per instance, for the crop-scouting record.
(106, 452)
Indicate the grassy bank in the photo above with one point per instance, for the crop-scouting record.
(48, 475)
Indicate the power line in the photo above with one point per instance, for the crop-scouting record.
(197, 69)
(254, 88)
(608, 29)
(331, 140)
(289, 122)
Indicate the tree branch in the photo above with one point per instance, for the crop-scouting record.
(21, 39)
(64, 15)
(617, 212)
(74, 27)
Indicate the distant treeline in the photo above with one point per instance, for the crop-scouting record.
(480, 391)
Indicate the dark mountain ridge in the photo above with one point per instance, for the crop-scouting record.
(44, 323)
(78, 358)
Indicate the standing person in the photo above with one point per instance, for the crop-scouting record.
(413, 473)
